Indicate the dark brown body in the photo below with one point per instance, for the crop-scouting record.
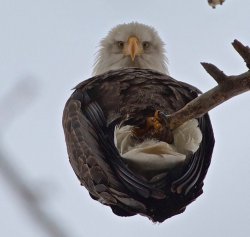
(128, 96)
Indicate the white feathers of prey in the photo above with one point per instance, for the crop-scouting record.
(154, 155)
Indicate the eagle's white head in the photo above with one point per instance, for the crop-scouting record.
(131, 45)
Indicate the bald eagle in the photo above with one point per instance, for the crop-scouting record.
(117, 141)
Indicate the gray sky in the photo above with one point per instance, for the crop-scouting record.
(53, 44)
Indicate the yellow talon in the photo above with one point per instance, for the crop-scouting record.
(153, 126)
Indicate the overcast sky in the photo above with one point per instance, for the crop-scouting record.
(50, 46)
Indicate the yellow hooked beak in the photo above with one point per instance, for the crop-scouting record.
(133, 47)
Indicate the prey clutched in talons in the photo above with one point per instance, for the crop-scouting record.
(155, 127)
(145, 153)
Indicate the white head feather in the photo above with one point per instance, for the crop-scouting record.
(112, 56)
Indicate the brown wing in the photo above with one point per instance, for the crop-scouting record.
(128, 96)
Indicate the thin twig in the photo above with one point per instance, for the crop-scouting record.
(29, 198)
(20, 96)
(244, 51)
(214, 72)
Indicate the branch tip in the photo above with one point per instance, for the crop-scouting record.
(218, 75)
(244, 51)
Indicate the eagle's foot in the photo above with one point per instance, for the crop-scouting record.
(156, 127)
(155, 122)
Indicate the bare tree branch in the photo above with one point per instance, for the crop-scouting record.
(20, 96)
(228, 87)
(52, 227)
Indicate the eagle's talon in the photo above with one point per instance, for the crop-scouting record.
(163, 117)
(160, 120)
(161, 127)
(155, 127)
(156, 115)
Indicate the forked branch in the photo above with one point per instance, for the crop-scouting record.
(228, 87)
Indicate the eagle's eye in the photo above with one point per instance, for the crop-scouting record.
(145, 45)
(120, 44)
